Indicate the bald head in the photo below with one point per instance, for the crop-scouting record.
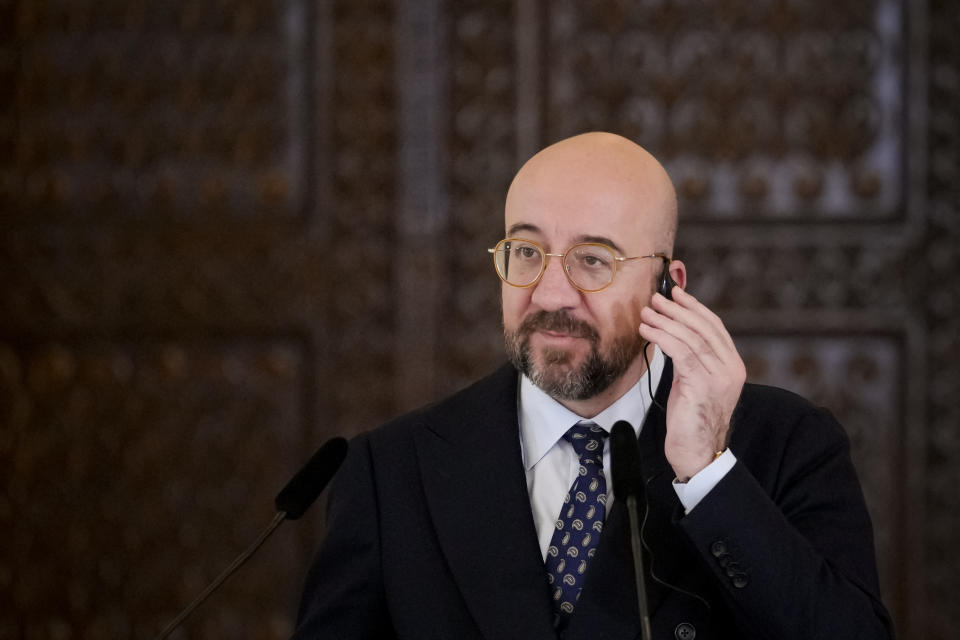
(601, 178)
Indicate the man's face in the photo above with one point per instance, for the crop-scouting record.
(572, 344)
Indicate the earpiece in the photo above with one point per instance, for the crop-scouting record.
(666, 283)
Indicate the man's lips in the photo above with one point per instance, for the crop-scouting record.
(555, 335)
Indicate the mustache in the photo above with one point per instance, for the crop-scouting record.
(559, 322)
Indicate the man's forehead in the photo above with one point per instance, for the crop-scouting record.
(534, 232)
(593, 188)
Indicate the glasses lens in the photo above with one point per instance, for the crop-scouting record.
(518, 262)
(590, 266)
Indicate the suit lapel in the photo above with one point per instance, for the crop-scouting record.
(471, 466)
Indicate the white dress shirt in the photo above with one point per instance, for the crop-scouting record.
(551, 464)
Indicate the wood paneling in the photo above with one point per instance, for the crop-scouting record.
(233, 229)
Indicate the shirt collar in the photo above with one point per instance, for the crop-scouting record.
(543, 420)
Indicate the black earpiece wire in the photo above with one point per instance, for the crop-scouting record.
(646, 361)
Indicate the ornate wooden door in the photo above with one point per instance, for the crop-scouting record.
(233, 229)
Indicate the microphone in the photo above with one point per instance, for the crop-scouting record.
(292, 501)
(625, 460)
(310, 481)
(627, 483)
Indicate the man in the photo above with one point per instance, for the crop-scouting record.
(489, 514)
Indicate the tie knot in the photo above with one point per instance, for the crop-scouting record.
(587, 440)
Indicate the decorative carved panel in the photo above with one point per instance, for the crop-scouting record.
(759, 110)
(214, 222)
(144, 111)
(941, 300)
(134, 471)
(481, 162)
(360, 230)
(164, 310)
(738, 271)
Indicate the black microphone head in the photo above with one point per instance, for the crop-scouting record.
(625, 460)
(313, 477)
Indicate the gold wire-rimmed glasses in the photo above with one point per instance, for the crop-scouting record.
(589, 266)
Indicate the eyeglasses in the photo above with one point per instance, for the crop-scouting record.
(589, 266)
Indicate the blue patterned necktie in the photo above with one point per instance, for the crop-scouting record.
(580, 522)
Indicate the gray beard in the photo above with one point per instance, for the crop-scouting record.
(556, 377)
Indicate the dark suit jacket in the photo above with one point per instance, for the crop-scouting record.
(430, 534)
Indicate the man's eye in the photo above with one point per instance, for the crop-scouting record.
(526, 252)
(593, 261)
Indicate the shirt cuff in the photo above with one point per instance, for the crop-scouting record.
(693, 490)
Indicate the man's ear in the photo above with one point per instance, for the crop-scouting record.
(678, 271)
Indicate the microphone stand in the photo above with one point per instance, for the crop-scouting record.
(236, 564)
(295, 498)
(638, 573)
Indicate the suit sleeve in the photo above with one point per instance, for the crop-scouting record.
(794, 557)
(343, 596)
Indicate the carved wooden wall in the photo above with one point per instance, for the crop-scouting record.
(214, 217)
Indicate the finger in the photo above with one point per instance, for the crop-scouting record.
(688, 310)
(687, 362)
(685, 307)
(698, 334)
(678, 340)
(687, 299)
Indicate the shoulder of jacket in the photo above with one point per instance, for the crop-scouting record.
(488, 389)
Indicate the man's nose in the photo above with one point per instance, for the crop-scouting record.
(554, 291)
